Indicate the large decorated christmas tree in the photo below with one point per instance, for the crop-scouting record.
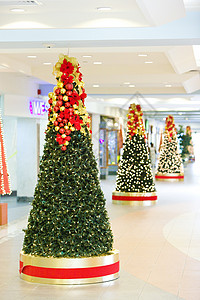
(134, 177)
(68, 221)
(170, 166)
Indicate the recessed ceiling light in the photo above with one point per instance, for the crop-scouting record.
(168, 85)
(186, 119)
(127, 83)
(87, 55)
(17, 10)
(97, 63)
(46, 63)
(104, 8)
(148, 62)
(95, 85)
(180, 113)
(131, 85)
(142, 54)
(31, 56)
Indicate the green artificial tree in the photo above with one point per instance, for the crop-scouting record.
(134, 173)
(184, 141)
(170, 161)
(68, 216)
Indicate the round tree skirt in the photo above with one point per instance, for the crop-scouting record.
(170, 177)
(128, 198)
(84, 270)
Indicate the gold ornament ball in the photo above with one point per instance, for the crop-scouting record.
(50, 95)
(57, 128)
(66, 127)
(63, 136)
(62, 108)
(60, 84)
(63, 91)
(66, 143)
(65, 98)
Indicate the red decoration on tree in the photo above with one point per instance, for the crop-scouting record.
(4, 177)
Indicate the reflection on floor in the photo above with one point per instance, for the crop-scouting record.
(159, 248)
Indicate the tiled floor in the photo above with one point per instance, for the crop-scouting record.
(159, 248)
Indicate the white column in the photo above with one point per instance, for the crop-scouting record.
(26, 158)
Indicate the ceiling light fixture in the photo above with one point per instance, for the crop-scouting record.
(31, 56)
(127, 83)
(168, 85)
(131, 85)
(95, 85)
(47, 63)
(104, 8)
(97, 63)
(17, 10)
(148, 62)
(142, 55)
(87, 55)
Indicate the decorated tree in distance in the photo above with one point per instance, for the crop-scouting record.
(134, 177)
(170, 164)
(184, 142)
(68, 218)
(190, 147)
(4, 177)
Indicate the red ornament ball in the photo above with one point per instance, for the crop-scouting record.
(50, 101)
(60, 97)
(62, 130)
(69, 93)
(69, 86)
(67, 104)
(68, 132)
(57, 91)
(55, 123)
(59, 103)
(56, 109)
(59, 119)
(65, 121)
(63, 148)
(61, 125)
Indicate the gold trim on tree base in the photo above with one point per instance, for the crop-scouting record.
(134, 198)
(84, 270)
(169, 177)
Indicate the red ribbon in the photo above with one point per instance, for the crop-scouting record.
(134, 198)
(69, 273)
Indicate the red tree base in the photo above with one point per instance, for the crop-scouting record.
(84, 270)
(129, 198)
(170, 177)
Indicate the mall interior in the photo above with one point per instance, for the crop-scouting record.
(133, 52)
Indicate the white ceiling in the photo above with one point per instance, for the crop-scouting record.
(174, 69)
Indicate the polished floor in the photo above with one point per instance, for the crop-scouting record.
(159, 248)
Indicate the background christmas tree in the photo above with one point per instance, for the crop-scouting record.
(184, 141)
(134, 173)
(68, 217)
(4, 177)
(170, 160)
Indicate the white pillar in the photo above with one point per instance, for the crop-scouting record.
(26, 158)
